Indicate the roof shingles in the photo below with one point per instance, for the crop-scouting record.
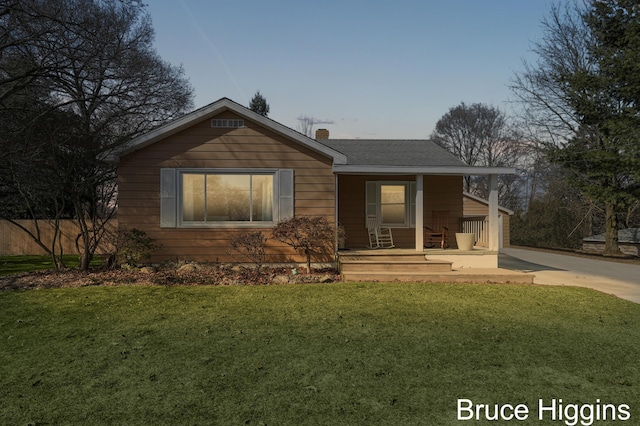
(393, 153)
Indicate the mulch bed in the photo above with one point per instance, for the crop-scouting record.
(186, 275)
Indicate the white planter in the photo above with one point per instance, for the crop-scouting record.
(465, 240)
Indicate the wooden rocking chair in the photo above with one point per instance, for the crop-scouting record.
(378, 237)
(438, 233)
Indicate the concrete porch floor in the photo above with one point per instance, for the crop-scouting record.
(477, 251)
(457, 274)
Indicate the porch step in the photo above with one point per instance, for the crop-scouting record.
(389, 266)
(384, 257)
(408, 265)
(395, 266)
(381, 255)
(462, 277)
(391, 276)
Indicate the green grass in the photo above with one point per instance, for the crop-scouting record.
(337, 354)
(17, 264)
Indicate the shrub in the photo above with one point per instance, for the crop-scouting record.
(250, 246)
(311, 236)
(134, 246)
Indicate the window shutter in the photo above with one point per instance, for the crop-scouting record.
(372, 199)
(285, 194)
(168, 199)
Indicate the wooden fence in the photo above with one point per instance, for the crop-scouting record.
(15, 241)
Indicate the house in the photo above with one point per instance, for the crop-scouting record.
(476, 217)
(628, 242)
(198, 181)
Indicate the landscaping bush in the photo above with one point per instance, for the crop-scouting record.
(250, 246)
(134, 246)
(311, 236)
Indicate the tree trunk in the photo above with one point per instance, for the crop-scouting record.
(611, 231)
(85, 260)
(467, 183)
(308, 255)
(86, 253)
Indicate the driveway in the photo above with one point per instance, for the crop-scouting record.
(620, 279)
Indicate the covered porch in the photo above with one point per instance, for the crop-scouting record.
(406, 205)
(407, 211)
(407, 186)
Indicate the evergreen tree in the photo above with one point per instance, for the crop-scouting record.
(584, 93)
(259, 104)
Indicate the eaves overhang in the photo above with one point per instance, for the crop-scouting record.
(428, 170)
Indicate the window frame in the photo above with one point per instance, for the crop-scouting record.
(376, 204)
(231, 223)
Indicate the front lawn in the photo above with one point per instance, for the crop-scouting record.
(332, 354)
(29, 263)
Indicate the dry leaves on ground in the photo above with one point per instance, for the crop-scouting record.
(163, 276)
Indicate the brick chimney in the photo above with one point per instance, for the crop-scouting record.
(322, 134)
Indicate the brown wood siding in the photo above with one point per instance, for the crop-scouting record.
(440, 193)
(202, 146)
(475, 208)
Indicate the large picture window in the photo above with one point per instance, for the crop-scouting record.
(219, 197)
(236, 198)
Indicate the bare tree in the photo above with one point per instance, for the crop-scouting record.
(306, 124)
(481, 135)
(24, 24)
(93, 62)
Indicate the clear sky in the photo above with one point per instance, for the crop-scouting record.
(376, 69)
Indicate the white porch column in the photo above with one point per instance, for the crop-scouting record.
(494, 221)
(419, 212)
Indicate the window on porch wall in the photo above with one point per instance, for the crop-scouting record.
(392, 202)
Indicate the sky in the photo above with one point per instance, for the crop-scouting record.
(370, 69)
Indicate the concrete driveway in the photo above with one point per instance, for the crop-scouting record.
(620, 279)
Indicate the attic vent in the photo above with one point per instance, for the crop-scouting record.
(226, 123)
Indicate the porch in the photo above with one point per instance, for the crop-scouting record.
(407, 204)
(479, 265)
